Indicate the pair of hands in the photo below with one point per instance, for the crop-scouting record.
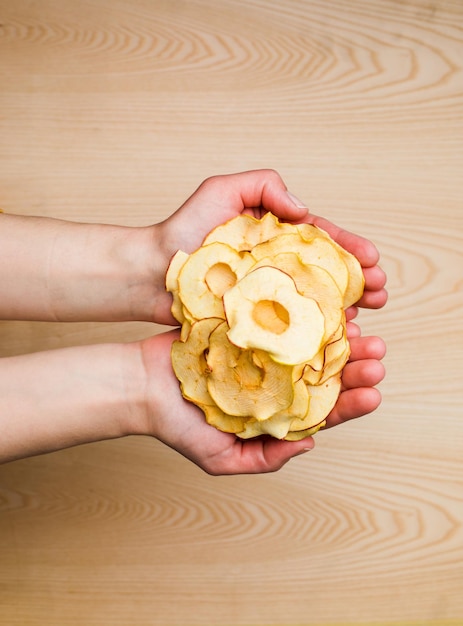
(180, 424)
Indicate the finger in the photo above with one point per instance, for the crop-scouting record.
(375, 278)
(277, 453)
(373, 299)
(353, 330)
(367, 348)
(256, 456)
(256, 188)
(351, 313)
(362, 373)
(352, 404)
(266, 188)
(221, 198)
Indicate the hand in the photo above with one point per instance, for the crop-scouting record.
(182, 426)
(220, 198)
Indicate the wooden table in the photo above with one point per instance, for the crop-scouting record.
(114, 111)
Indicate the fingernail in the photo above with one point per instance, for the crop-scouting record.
(295, 200)
(304, 450)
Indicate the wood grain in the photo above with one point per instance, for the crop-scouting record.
(115, 112)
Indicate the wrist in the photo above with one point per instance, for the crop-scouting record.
(135, 278)
(155, 390)
(108, 273)
(79, 272)
(119, 279)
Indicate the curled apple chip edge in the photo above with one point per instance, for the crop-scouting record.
(244, 232)
(189, 361)
(322, 400)
(297, 435)
(173, 270)
(222, 421)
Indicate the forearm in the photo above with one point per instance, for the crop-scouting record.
(61, 398)
(54, 270)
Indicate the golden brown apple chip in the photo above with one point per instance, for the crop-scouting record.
(318, 251)
(206, 275)
(265, 311)
(312, 282)
(173, 271)
(220, 420)
(189, 360)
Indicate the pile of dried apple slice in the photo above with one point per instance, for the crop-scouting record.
(263, 340)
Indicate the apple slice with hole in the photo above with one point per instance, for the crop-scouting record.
(207, 274)
(312, 282)
(265, 311)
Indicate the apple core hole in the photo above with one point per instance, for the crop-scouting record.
(219, 278)
(271, 316)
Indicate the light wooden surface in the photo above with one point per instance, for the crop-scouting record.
(115, 110)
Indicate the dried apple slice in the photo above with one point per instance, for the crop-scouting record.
(278, 424)
(356, 279)
(337, 353)
(265, 311)
(298, 409)
(220, 420)
(310, 371)
(246, 383)
(316, 251)
(313, 370)
(185, 330)
(297, 435)
(175, 265)
(309, 231)
(322, 400)
(277, 428)
(244, 231)
(189, 361)
(312, 282)
(207, 274)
